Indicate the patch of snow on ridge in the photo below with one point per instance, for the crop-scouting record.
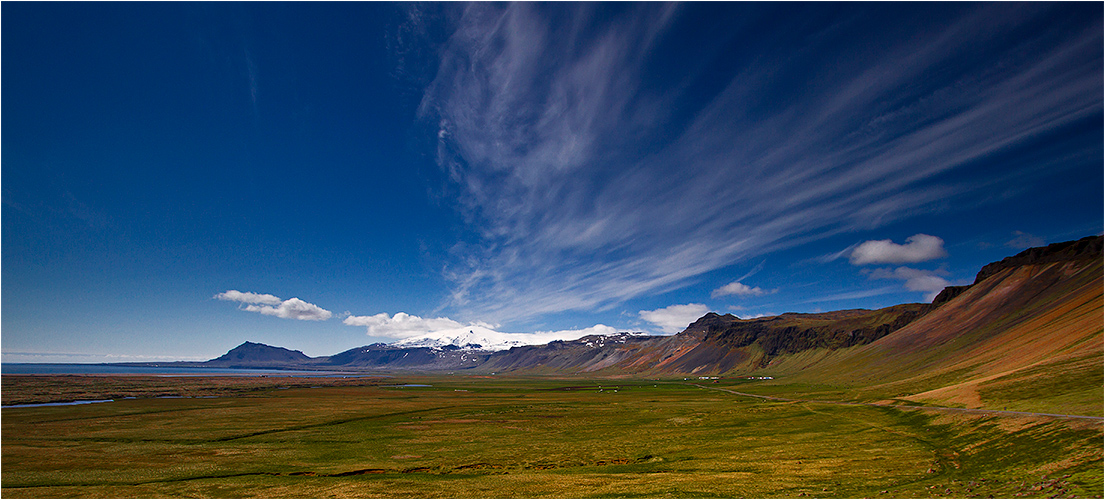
(475, 337)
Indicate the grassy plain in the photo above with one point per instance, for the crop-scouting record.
(33, 389)
(493, 437)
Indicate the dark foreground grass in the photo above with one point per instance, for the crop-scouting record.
(495, 438)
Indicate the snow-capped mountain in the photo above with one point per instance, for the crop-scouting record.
(474, 337)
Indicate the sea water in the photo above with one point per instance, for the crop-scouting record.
(64, 403)
(102, 369)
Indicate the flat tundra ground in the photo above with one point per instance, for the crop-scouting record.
(468, 437)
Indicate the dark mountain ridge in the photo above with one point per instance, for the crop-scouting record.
(384, 356)
(712, 344)
(794, 332)
(250, 354)
(587, 354)
(1088, 248)
(717, 344)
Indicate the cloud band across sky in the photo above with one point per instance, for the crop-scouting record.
(403, 325)
(398, 326)
(597, 162)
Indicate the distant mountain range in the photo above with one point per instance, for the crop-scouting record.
(476, 338)
(1031, 316)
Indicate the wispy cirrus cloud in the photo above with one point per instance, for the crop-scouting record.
(857, 294)
(271, 305)
(596, 160)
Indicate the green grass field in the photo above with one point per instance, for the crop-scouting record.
(493, 438)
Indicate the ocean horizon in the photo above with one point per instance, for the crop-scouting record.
(111, 369)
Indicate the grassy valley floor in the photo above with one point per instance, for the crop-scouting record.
(484, 437)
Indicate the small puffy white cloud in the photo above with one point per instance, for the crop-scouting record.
(403, 325)
(271, 305)
(916, 280)
(738, 288)
(673, 319)
(249, 297)
(918, 248)
(293, 308)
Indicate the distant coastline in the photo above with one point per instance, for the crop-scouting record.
(150, 369)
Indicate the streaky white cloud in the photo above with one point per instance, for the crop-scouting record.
(826, 258)
(271, 305)
(916, 280)
(674, 318)
(586, 181)
(249, 297)
(739, 289)
(859, 294)
(918, 248)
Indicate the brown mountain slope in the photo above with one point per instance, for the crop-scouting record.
(1026, 336)
(713, 344)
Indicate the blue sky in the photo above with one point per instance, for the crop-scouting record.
(181, 177)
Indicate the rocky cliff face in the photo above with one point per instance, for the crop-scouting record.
(792, 332)
(1087, 248)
